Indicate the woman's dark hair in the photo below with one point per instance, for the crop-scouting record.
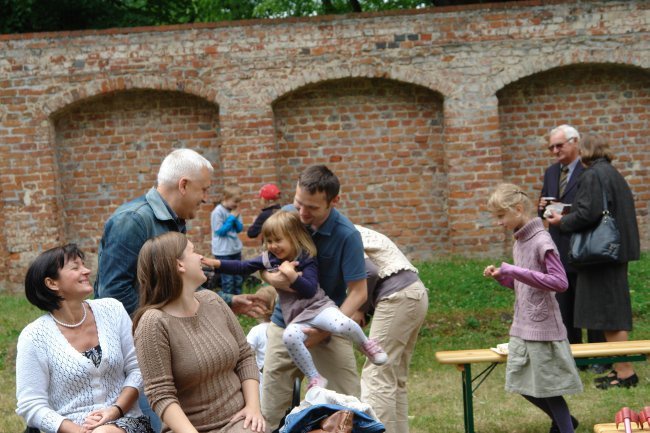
(47, 265)
(593, 147)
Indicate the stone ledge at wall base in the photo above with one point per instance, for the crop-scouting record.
(611, 428)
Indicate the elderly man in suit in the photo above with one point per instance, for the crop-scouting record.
(560, 182)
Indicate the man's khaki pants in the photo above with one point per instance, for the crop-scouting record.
(395, 325)
(334, 360)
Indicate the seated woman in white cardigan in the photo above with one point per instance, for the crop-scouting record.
(76, 368)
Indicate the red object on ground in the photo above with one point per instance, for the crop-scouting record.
(644, 416)
(627, 417)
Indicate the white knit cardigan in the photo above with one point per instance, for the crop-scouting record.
(384, 253)
(55, 382)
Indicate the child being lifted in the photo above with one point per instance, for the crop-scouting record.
(291, 251)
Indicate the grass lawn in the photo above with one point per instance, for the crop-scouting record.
(465, 311)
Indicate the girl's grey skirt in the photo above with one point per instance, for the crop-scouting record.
(541, 368)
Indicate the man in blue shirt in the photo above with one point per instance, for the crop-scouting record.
(342, 275)
(183, 182)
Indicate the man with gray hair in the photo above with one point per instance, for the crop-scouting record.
(560, 185)
(183, 183)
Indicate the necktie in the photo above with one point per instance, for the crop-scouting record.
(564, 179)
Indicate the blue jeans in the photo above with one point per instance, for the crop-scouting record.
(231, 284)
(156, 424)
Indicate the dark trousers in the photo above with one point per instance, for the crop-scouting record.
(231, 284)
(566, 300)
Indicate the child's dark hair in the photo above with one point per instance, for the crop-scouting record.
(47, 265)
(283, 224)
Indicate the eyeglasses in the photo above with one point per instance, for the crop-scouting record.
(559, 146)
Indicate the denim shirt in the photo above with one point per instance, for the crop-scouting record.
(310, 418)
(124, 234)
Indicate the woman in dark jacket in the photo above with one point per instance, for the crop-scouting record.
(602, 292)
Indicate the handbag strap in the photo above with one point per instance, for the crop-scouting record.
(602, 188)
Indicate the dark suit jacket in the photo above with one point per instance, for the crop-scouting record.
(551, 188)
(587, 207)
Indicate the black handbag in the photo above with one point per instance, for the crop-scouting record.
(598, 245)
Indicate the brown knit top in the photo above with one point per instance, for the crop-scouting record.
(198, 362)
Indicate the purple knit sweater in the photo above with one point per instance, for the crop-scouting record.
(536, 275)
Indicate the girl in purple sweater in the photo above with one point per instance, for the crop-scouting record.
(540, 365)
(291, 251)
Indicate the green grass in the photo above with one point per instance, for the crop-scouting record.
(465, 311)
(15, 313)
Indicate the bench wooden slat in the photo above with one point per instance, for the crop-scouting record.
(587, 350)
(611, 428)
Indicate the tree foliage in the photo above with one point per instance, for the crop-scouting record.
(22, 16)
(300, 8)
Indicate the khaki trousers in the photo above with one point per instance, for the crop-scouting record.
(334, 360)
(395, 325)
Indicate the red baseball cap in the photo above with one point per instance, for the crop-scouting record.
(270, 192)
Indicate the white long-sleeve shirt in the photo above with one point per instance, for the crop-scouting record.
(54, 381)
(256, 337)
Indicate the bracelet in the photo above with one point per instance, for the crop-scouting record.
(120, 409)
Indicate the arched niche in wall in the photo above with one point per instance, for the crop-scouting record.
(607, 99)
(109, 149)
(384, 140)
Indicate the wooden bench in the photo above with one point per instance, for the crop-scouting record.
(611, 428)
(584, 354)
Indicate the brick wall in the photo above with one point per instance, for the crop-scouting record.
(419, 112)
(108, 151)
(347, 124)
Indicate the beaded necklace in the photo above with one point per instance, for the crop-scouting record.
(73, 325)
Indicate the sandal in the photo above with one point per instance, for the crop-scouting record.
(608, 377)
(619, 383)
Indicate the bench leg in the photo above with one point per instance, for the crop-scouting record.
(468, 403)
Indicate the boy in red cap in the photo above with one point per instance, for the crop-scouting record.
(270, 201)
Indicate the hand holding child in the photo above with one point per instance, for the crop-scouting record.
(359, 317)
(288, 269)
(315, 336)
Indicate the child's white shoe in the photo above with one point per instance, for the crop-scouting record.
(319, 381)
(374, 352)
